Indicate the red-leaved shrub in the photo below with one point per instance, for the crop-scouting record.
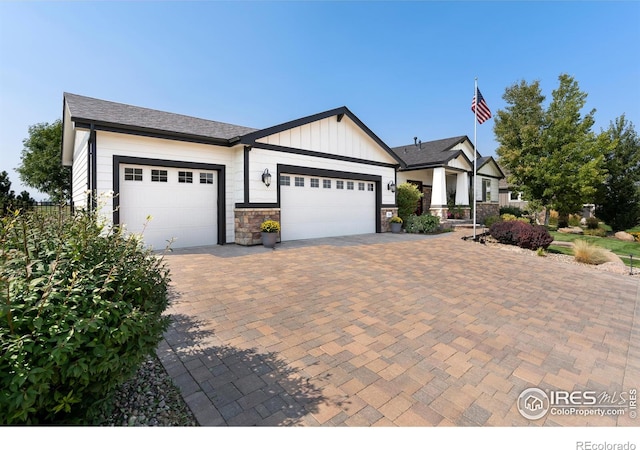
(508, 232)
(534, 238)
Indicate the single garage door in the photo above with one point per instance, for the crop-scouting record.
(312, 207)
(181, 202)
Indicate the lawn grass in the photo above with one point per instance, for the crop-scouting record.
(621, 248)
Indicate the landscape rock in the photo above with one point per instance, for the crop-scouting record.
(571, 230)
(624, 236)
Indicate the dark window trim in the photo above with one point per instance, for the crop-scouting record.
(219, 168)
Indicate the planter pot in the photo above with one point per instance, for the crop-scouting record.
(396, 227)
(269, 239)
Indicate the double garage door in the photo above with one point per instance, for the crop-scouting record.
(182, 203)
(312, 207)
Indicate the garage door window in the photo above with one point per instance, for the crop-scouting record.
(350, 185)
(185, 177)
(361, 186)
(315, 182)
(159, 175)
(339, 184)
(285, 180)
(206, 178)
(299, 181)
(370, 187)
(131, 174)
(326, 184)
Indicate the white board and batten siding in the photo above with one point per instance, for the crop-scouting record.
(110, 144)
(79, 170)
(311, 205)
(343, 138)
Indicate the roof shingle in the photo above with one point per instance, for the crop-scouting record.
(428, 153)
(105, 112)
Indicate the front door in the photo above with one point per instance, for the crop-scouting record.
(418, 184)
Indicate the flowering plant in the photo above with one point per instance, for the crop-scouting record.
(270, 226)
(395, 219)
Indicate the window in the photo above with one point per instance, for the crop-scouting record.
(361, 186)
(285, 180)
(315, 182)
(299, 181)
(131, 174)
(159, 175)
(206, 178)
(350, 185)
(515, 196)
(185, 177)
(370, 187)
(486, 190)
(326, 184)
(339, 184)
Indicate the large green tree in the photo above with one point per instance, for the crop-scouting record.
(618, 201)
(8, 198)
(551, 153)
(41, 166)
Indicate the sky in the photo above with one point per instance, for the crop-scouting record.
(404, 68)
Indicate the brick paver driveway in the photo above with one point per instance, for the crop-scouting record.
(394, 330)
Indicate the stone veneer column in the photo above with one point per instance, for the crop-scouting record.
(486, 210)
(247, 224)
(384, 220)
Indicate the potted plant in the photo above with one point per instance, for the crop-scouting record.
(396, 224)
(270, 230)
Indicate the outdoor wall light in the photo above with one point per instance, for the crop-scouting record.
(266, 177)
(391, 186)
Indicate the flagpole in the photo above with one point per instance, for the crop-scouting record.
(475, 153)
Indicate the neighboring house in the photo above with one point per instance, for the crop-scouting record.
(443, 171)
(206, 182)
(509, 196)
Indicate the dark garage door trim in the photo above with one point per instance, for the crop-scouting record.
(118, 160)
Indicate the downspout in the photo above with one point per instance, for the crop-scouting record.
(247, 149)
(93, 169)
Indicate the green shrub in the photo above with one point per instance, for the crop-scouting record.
(574, 220)
(425, 223)
(407, 196)
(511, 218)
(81, 307)
(513, 210)
(592, 223)
(508, 217)
(600, 232)
(490, 220)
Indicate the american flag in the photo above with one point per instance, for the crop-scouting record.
(483, 113)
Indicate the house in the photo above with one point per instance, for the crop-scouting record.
(443, 171)
(205, 182)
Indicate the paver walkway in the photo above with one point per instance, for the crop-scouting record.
(397, 330)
